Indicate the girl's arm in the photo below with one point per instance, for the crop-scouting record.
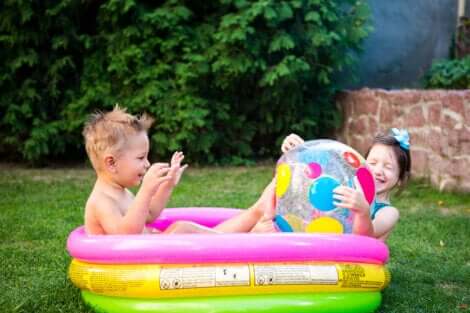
(290, 142)
(362, 225)
(384, 222)
(354, 200)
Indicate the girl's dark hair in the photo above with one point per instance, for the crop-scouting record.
(403, 157)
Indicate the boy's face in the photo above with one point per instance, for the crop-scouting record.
(132, 162)
(384, 165)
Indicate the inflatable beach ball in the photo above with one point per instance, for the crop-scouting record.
(306, 178)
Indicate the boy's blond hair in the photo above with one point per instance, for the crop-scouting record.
(108, 132)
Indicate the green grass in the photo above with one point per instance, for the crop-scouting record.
(430, 248)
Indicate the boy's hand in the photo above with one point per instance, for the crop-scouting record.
(176, 170)
(290, 142)
(352, 199)
(157, 174)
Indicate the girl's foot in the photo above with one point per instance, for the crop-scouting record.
(264, 225)
(266, 204)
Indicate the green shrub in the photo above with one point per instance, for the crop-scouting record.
(449, 74)
(39, 73)
(224, 79)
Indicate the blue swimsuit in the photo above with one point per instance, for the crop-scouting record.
(378, 206)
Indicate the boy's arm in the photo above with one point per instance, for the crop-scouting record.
(161, 197)
(112, 222)
(158, 202)
(133, 222)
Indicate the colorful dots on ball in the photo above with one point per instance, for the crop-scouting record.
(283, 179)
(295, 222)
(306, 178)
(325, 224)
(317, 156)
(352, 159)
(366, 180)
(313, 170)
(282, 224)
(321, 193)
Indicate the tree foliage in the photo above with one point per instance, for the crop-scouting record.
(224, 79)
(449, 74)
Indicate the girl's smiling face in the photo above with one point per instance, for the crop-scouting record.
(384, 166)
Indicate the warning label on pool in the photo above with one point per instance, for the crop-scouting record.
(204, 277)
(296, 274)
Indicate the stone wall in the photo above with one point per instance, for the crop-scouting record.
(438, 122)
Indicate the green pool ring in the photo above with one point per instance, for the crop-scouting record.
(347, 302)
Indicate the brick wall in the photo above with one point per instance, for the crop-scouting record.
(438, 122)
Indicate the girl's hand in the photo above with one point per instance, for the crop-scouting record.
(352, 199)
(176, 170)
(157, 174)
(290, 142)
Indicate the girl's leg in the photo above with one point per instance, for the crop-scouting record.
(185, 227)
(259, 214)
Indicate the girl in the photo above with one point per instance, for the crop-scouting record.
(389, 160)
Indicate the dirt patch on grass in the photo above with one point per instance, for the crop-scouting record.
(446, 211)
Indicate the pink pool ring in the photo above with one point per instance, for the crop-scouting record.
(221, 248)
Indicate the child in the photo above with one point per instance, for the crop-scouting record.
(389, 160)
(118, 147)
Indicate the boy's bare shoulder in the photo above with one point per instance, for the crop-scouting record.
(98, 207)
(100, 202)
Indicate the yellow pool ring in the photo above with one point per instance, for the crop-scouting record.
(186, 280)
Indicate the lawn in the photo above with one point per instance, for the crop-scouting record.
(430, 253)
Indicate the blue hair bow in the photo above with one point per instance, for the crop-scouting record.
(402, 136)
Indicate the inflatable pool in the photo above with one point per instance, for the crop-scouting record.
(360, 302)
(221, 248)
(193, 280)
(285, 272)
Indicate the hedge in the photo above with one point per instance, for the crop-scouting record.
(225, 80)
